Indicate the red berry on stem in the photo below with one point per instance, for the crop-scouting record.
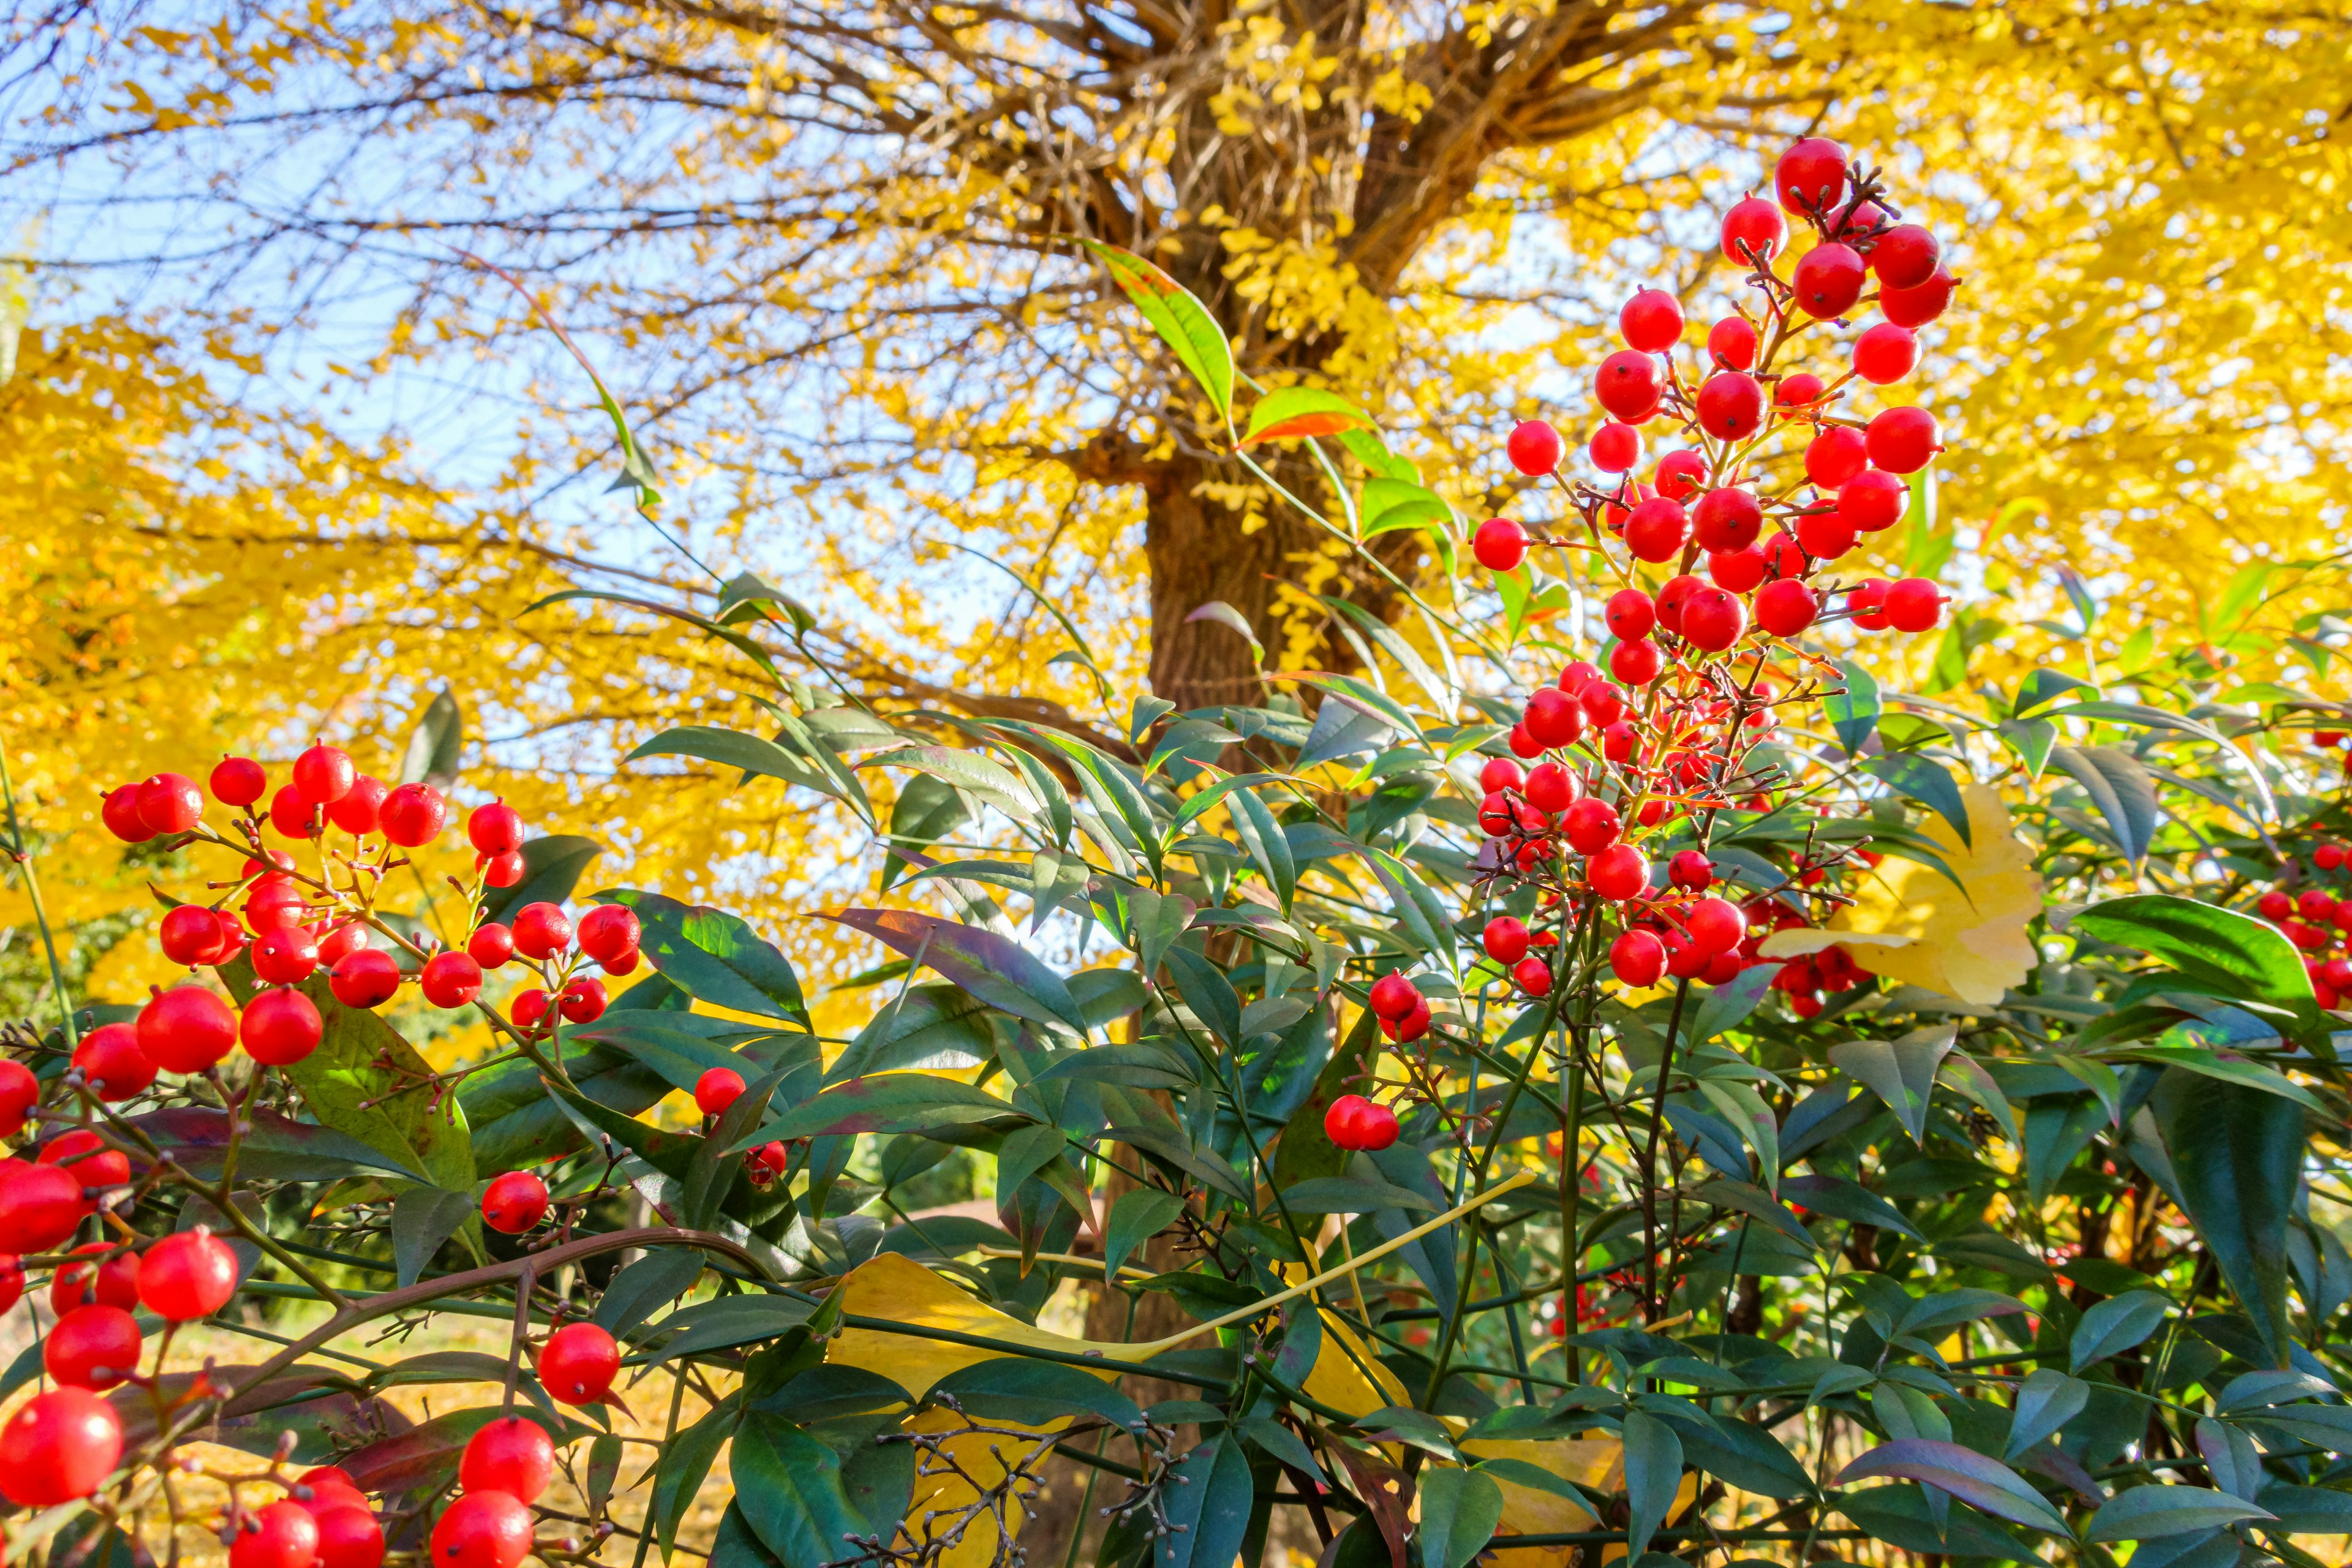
(1631, 612)
(510, 1455)
(1680, 474)
(40, 1204)
(1714, 619)
(450, 980)
(1829, 280)
(324, 774)
(1784, 557)
(1591, 826)
(1824, 535)
(1500, 544)
(360, 808)
(349, 1537)
(58, 1448)
(1903, 440)
(1673, 597)
(111, 1063)
(1505, 939)
(1615, 447)
(239, 781)
(292, 815)
(1796, 391)
(1395, 996)
(1753, 231)
(1656, 530)
(1551, 787)
(1535, 448)
(92, 1347)
(280, 1027)
(2327, 858)
(1727, 518)
(1629, 384)
(341, 942)
(482, 1529)
(1553, 718)
(189, 934)
(188, 1274)
(1917, 306)
(1872, 499)
(1618, 873)
(1637, 663)
(1810, 176)
(1730, 405)
(607, 931)
(717, 1089)
(413, 816)
(529, 1007)
(1339, 1119)
(1835, 455)
(514, 1203)
(1736, 571)
(542, 930)
(1523, 744)
(495, 828)
(1906, 256)
(1651, 321)
(1885, 354)
(1499, 773)
(170, 803)
(20, 1090)
(1732, 342)
(366, 978)
(1868, 604)
(282, 1535)
(581, 1360)
(1637, 958)
(1690, 870)
(504, 870)
(113, 1283)
(584, 1000)
(1716, 925)
(275, 903)
(491, 944)
(1913, 604)
(1786, 607)
(1376, 1127)
(286, 956)
(186, 1029)
(1533, 977)
(118, 809)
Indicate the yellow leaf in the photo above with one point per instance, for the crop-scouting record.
(1971, 946)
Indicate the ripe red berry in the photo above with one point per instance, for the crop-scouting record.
(349, 1537)
(239, 781)
(292, 815)
(1577, 674)
(1736, 571)
(1618, 872)
(1753, 231)
(607, 931)
(1591, 826)
(118, 809)
(1637, 957)
(92, 1347)
(1619, 742)
(186, 1029)
(188, 934)
(1637, 663)
(1913, 604)
(286, 956)
(111, 1063)
(281, 1535)
(1885, 354)
(1872, 499)
(1917, 306)
(170, 803)
(1903, 440)
(1651, 321)
(324, 774)
(1727, 518)
(1629, 384)
(1810, 176)
(1395, 996)
(280, 1027)
(1533, 977)
(413, 816)
(365, 978)
(1824, 535)
(1631, 612)
(360, 809)
(504, 870)
(39, 1206)
(482, 1529)
(20, 1090)
(88, 1158)
(1673, 597)
(1505, 939)
(1829, 280)
(1680, 474)
(514, 1203)
(581, 1360)
(1906, 256)
(584, 1000)
(58, 1448)
(1495, 814)
(1784, 557)
(509, 1455)
(1716, 925)
(1553, 718)
(1500, 544)
(1868, 604)
(1785, 608)
(2327, 858)
(491, 944)
(2315, 905)
(1730, 405)
(542, 930)
(717, 1089)
(1690, 870)
(1835, 455)
(1551, 787)
(1797, 391)
(450, 980)
(1615, 447)
(1523, 744)
(1714, 619)
(1534, 449)
(1732, 344)
(1658, 529)
(495, 828)
(1376, 1127)
(273, 903)
(1500, 773)
(1339, 1121)
(113, 1283)
(188, 1274)
(529, 1007)
(339, 942)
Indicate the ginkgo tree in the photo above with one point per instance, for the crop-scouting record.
(1607, 1076)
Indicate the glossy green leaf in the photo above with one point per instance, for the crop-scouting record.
(2237, 1154)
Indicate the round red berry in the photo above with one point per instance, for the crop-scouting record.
(1714, 619)
(1885, 354)
(1618, 873)
(339, 942)
(280, 1027)
(1534, 449)
(482, 1529)
(111, 1062)
(1872, 499)
(717, 1089)
(1730, 405)
(1631, 612)
(1829, 280)
(366, 978)
(286, 956)
(584, 1000)
(1731, 343)
(188, 1274)
(1903, 440)
(413, 816)
(1913, 604)
(1658, 529)
(1867, 603)
(1716, 925)
(58, 1448)
(119, 810)
(1673, 597)
(1523, 744)
(1736, 571)
(1690, 870)
(542, 930)
(324, 774)
(504, 870)
(113, 1283)
(450, 980)
(170, 803)
(1651, 321)
(1499, 773)
(1727, 518)
(92, 1347)
(273, 902)
(349, 1537)
(607, 931)
(1824, 535)
(1637, 957)
(1615, 447)
(1835, 455)
(1810, 176)
(1532, 976)
(361, 807)
(1906, 256)
(1551, 787)
(1591, 826)
(1680, 474)
(509, 1455)
(186, 1029)
(20, 1090)
(1505, 939)
(1917, 306)
(1637, 663)
(529, 1007)
(1500, 544)
(581, 1360)
(491, 944)
(495, 828)
(514, 1203)
(1553, 718)
(1629, 384)
(239, 781)
(292, 815)
(1786, 607)
(1394, 996)
(1753, 231)
(1339, 1119)
(40, 1205)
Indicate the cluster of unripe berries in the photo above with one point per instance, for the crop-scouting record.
(1703, 501)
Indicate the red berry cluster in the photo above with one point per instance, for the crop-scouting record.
(2319, 923)
(719, 1088)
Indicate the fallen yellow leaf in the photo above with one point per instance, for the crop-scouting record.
(1971, 946)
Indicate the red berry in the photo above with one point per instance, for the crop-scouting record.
(1505, 939)
(1615, 447)
(1753, 231)
(585, 1000)
(286, 956)
(1785, 608)
(280, 1027)
(542, 930)
(366, 978)
(20, 1090)
(189, 934)
(1835, 455)
(1495, 814)
(482, 1529)
(349, 1537)
(1730, 405)
(530, 1009)
(1724, 966)
(450, 980)
(1656, 529)
(1534, 449)
(1340, 1122)
(1629, 384)
(58, 1448)
(1736, 571)
(1500, 773)
(1376, 1127)
(1577, 674)
(1690, 870)
(40, 1204)
(1618, 872)
(92, 1347)
(1500, 544)
(188, 1274)
(1727, 518)
(1673, 597)
(1631, 612)
(581, 1360)
(510, 1455)
(495, 828)
(413, 816)
(514, 1203)
(504, 870)
(1637, 958)
(1797, 391)
(1784, 557)
(2315, 905)
(1612, 515)
(113, 1283)
(1395, 996)
(1903, 440)
(360, 809)
(274, 903)
(1533, 977)
(608, 931)
(186, 1029)
(1904, 257)
(1917, 306)
(118, 809)
(1651, 321)
(1716, 925)
(1872, 499)
(1619, 742)
(1554, 718)
(282, 1535)
(2275, 905)
(1913, 604)
(341, 942)
(2337, 973)
(1829, 280)
(170, 803)
(1732, 344)
(1810, 176)
(292, 815)
(1868, 604)
(1523, 744)
(1551, 787)
(1824, 535)
(239, 781)
(1885, 354)
(717, 1089)
(324, 774)
(1591, 826)
(1714, 619)
(1637, 663)
(2327, 858)
(1680, 474)
(491, 944)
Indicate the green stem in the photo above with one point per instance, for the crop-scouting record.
(24, 863)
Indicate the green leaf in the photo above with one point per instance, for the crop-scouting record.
(2112, 1326)
(1290, 412)
(422, 1219)
(1208, 993)
(1974, 1479)
(1653, 1472)
(2230, 954)
(890, 1102)
(2147, 1513)
(1388, 505)
(1253, 824)
(996, 969)
(1900, 1072)
(788, 1486)
(1927, 782)
(2045, 1401)
(714, 956)
(925, 1029)
(927, 809)
(1158, 919)
(734, 749)
(1348, 1194)
(1853, 711)
(1208, 1503)
(2237, 1154)
(969, 772)
(1136, 1217)
(435, 745)
(1459, 1511)
(2229, 1070)
(2119, 786)
(1182, 323)
(642, 1288)
(1034, 1392)
(275, 1148)
(551, 868)
(1842, 1199)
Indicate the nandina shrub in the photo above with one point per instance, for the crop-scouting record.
(1606, 1076)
